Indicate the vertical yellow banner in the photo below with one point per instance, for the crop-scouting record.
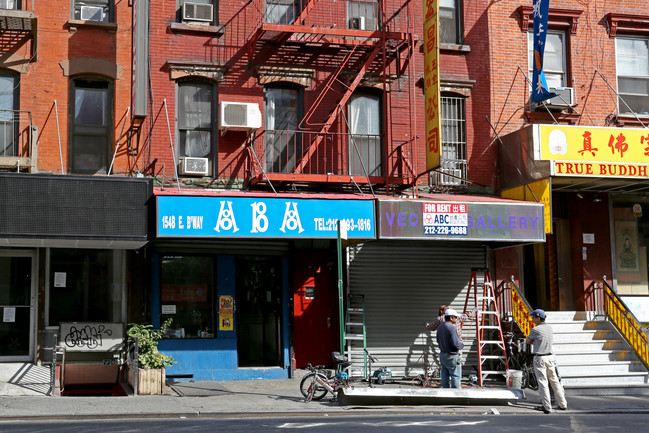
(431, 83)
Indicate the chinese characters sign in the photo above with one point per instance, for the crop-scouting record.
(180, 216)
(593, 151)
(431, 83)
(539, 192)
(485, 221)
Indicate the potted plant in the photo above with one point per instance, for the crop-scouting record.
(151, 363)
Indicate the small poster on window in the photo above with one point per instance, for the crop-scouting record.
(226, 322)
(9, 314)
(226, 304)
(59, 279)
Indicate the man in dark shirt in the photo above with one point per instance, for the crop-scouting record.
(449, 343)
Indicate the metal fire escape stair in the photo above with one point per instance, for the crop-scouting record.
(355, 336)
(491, 350)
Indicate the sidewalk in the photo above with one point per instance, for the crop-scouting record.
(270, 398)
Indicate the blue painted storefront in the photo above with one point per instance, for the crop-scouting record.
(264, 218)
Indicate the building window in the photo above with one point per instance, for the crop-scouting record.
(365, 127)
(9, 92)
(198, 12)
(453, 159)
(91, 108)
(93, 10)
(632, 58)
(554, 58)
(85, 285)
(196, 124)
(281, 11)
(363, 15)
(9, 4)
(283, 110)
(187, 284)
(451, 30)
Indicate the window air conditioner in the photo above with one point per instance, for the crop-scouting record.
(7, 4)
(194, 166)
(455, 179)
(239, 116)
(357, 23)
(92, 13)
(564, 99)
(198, 12)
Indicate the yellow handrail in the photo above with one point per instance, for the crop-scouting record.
(521, 310)
(626, 323)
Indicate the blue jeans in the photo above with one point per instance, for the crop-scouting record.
(451, 370)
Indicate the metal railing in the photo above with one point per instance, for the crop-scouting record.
(512, 303)
(338, 154)
(624, 320)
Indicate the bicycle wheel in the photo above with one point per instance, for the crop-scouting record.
(311, 389)
(530, 375)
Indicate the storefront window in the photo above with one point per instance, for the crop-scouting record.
(85, 285)
(187, 296)
(631, 237)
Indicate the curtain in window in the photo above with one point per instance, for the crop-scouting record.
(8, 85)
(283, 147)
(448, 22)
(365, 150)
(195, 119)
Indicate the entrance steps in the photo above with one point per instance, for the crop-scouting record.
(593, 358)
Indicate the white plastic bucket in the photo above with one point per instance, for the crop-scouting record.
(514, 379)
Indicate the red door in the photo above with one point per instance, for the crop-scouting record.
(315, 304)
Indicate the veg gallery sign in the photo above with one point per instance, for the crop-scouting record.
(486, 221)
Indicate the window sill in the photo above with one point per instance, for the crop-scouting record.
(73, 25)
(192, 28)
(570, 118)
(629, 120)
(455, 48)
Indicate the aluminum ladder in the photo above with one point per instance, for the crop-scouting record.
(355, 335)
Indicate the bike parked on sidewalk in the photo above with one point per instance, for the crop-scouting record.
(318, 382)
(519, 358)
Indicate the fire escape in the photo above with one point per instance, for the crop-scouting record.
(17, 133)
(337, 49)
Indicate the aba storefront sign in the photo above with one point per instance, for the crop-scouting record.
(418, 219)
(256, 217)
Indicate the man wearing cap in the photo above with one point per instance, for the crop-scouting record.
(449, 343)
(541, 338)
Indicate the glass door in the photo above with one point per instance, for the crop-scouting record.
(17, 281)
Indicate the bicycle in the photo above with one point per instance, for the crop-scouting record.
(519, 358)
(318, 382)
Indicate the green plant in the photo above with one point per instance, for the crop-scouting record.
(148, 355)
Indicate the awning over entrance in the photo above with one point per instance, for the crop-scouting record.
(576, 158)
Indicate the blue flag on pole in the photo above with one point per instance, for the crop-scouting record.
(540, 90)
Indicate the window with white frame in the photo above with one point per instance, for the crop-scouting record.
(454, 153)
(198, 12)
(8, 114)
(197, 136)
(365, 144)
(451, 30)
(282, 143)
(93, 10)
(632, 60)
(91, 108)
(363, 15)
(554, 58)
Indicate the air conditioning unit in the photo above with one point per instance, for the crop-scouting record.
(7, 4)
(92, 13)
(239, 116)
(565, 98)
(202, 12)
(363, 23)
(455, 179)
(194, 166)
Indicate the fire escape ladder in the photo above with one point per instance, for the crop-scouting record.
(341, 103)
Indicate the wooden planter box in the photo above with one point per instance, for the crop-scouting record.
(149, 381)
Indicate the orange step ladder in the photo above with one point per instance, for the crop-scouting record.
(489, 334)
